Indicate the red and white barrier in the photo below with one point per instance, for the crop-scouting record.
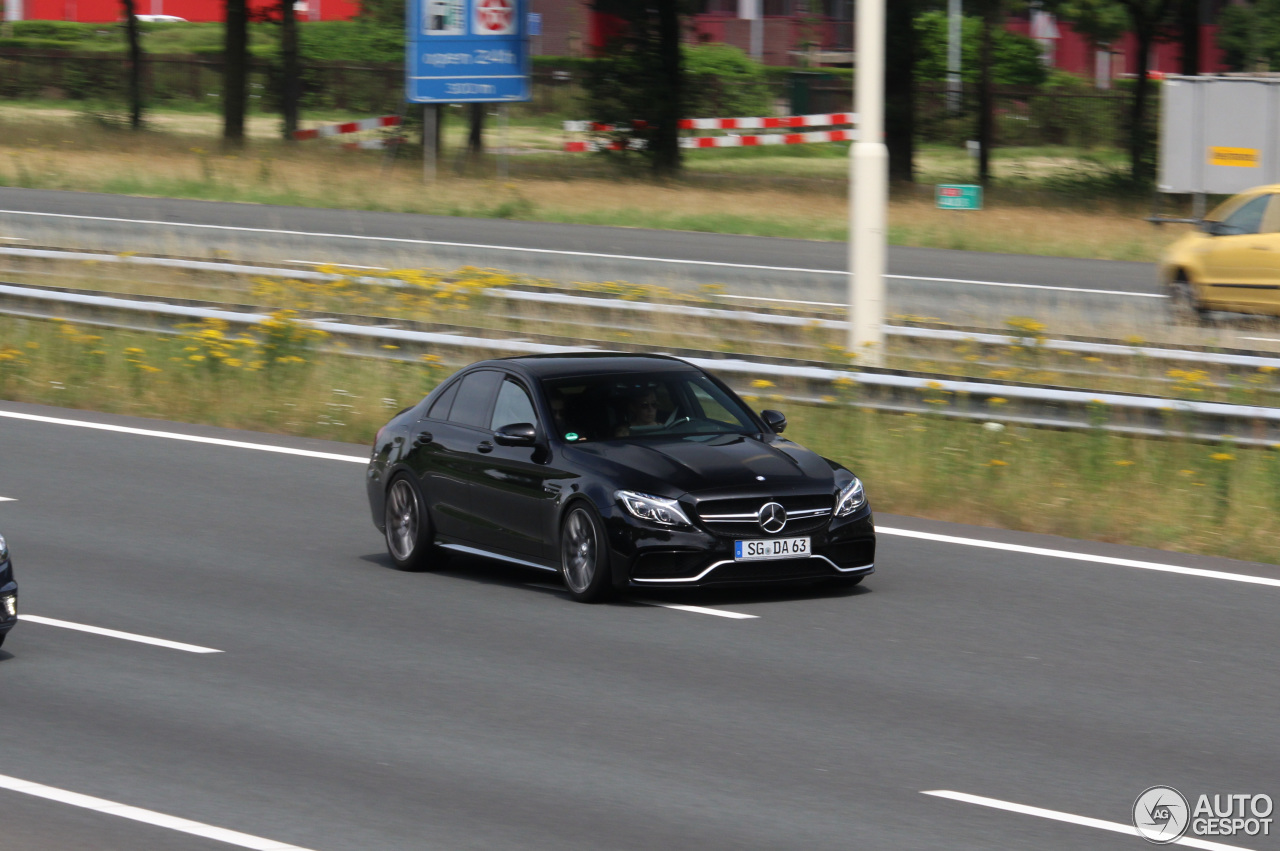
(832, 119)
(769, 139)
(347, 127)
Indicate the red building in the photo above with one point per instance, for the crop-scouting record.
(109, 11)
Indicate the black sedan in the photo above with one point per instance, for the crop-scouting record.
(615, 471)
(8, 592)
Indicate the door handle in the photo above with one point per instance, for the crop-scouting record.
(1260, 247)
(422, 439)
(485, 446)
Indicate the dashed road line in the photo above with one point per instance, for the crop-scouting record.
(697, 610)
(1070, 818)
(182, 825)
(115, 633)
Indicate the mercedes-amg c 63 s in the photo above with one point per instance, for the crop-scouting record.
(8, 592)
(616, 471)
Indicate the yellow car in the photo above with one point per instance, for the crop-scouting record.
(1233, 262)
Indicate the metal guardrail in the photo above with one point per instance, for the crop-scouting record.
(885, 390)
(1088, 347)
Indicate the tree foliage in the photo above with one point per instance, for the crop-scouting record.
(1249, 34)
(1015, 58)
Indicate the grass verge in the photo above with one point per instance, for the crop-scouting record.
(1175, 495)
(784, 194)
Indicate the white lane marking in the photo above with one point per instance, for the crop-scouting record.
(700, 610)
(101, 805)
(559, 252)
(115, 633)
(7, 499)
(1263, 339)
(697, 610)
(1066, 554)
(331, 263)
(1083, 821)
(191, 438)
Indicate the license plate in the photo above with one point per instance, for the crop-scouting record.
(772, 548)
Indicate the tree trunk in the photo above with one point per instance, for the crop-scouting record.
(135, 64)
(1144, 34)
(289, 62)
(235, 73)
(900, 88)
(1189, 25)
(990, 20)
(666, 136)
(475, 134)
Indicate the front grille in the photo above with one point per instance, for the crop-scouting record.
(787, 568)
(736, 517)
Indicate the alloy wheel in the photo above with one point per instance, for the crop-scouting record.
(402, 520)
(578, 551)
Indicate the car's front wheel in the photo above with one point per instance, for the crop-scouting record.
(407, 527)
(1183, 306)
(584, 561)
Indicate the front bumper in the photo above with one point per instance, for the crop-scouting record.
(8, 589)
(649, 557)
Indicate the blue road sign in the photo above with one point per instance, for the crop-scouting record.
(535, 23)
(466, 51)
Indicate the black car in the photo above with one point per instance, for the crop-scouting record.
(616, 471)
(8, 592)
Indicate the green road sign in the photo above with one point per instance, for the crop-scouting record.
(959, 196)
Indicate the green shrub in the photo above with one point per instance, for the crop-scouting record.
(724, 82)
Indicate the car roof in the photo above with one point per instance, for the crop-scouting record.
(594, 363)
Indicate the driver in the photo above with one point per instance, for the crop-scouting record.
(642, 414)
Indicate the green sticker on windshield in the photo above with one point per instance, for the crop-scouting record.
(573, 435)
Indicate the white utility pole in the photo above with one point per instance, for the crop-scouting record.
(750, 10)
(868, 192)
(954, 19)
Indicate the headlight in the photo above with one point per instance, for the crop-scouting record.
(851, 498)
(10, 605)
(654, 509)
(4, 550)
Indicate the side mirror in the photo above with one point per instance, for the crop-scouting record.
(1215, 228)
(775, 420)
(516, 434)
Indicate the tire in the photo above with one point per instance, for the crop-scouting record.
(407, 528)
(1183, 307)
(584, 561)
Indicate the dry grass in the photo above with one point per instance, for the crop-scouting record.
(59, 150)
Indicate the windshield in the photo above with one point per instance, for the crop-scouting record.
(644, 405)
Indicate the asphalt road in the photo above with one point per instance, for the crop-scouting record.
(357, 708)
(957, 285)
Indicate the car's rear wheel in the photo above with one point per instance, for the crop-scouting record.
(407, 527)
(584, 564)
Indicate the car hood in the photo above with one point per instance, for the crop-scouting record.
(694, 464)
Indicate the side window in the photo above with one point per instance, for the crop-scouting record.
(440, 407)
(475, 392)
(513, 406)
(1248, 219)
